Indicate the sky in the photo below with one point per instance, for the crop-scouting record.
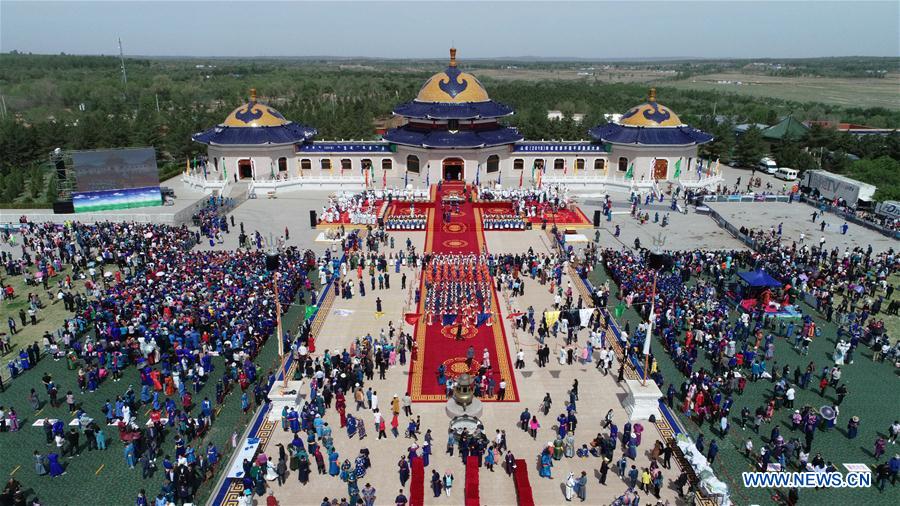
(599, 30)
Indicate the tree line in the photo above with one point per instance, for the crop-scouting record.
(81, 102)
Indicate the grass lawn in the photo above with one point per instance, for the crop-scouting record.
(49, 318)
(845, 92)
(870, 387)
(101, 477)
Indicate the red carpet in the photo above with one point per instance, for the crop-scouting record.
(472, 496)
(564, 217)
(523, 485)
(417, 483)
(463, 234)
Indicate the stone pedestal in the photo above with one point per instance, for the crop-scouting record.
(281, 396)
(453, 409)
(642, 401)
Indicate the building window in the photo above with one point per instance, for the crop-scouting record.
(599, 164)
(305, 164)
(346, 164)
(282, 164)
(366, 164)
(539, 164)
(519, 164)
(559, 164)
(325, 164)
(493, 163)
(579, 164)
(412, 163)
(623, 164)
(453, 125)
(387, 164)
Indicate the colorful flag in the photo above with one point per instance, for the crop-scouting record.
(406, 179)
(678, 169)
(629, 174)
(187, 167)
(310, 310)
(428, 175)
(383, 178)
(716, 170)
(551, 317)
(478, 175)
(366, 174)
(565, 168)
(619, 310)
(533, 167)
(521, 177)
(224, 170)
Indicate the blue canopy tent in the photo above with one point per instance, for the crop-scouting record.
(759, 279)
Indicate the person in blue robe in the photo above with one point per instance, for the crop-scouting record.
(546, 464)
(333, 468)
(56, 469)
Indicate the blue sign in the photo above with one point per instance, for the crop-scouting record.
(558, 148)
(318, 147)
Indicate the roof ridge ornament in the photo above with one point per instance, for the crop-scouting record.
(452, 56)
(252, 95)
(651, 97)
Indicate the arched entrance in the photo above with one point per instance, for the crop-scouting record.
(454, 169)
(661, 169)
(245, 169)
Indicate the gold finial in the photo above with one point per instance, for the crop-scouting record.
(652, 96)
(452, 56)
(253, 94)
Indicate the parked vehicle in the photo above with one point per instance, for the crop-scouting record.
(767, 165)
(787, 174)
(824, 184)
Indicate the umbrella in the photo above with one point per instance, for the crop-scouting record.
(148, 235)
(804, 277)
(859, 289)
(160, 274)
(827, 412)
(107, 274)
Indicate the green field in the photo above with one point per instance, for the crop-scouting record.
(844, 92)
(870, 384)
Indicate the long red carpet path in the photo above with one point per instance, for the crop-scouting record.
(472, 496)
(437, 345)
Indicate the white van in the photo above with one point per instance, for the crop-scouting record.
(767, 165)
(787, 174)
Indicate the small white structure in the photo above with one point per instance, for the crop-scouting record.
(642, 400)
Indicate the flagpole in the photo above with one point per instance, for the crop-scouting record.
(649, 328)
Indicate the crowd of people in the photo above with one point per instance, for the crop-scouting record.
(357, 209)
(167, 310)
(693, 318)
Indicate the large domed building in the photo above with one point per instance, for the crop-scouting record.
(452, 112)
(254, 141)
(650, 138)
(453, 130)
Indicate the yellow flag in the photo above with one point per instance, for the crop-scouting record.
(551, 317)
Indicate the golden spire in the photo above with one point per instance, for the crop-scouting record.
(452, 56)
(652, 96)
(253, 94)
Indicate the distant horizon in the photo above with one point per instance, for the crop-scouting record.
(527, 59)
(579, 31)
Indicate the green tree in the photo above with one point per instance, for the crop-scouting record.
(883, 172)
(750, 147)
